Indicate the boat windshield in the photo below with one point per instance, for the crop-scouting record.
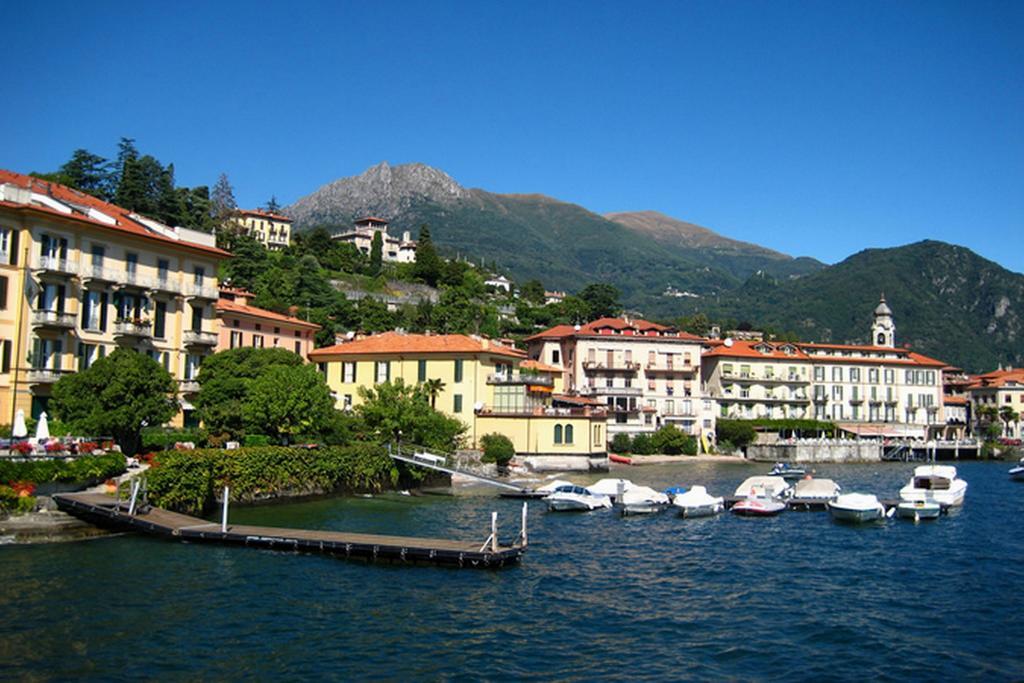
(931, 483)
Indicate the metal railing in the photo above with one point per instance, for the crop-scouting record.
(520, 378)
(201, 291)
(132, 329)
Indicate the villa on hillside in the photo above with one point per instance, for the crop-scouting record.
(1003, 390)
(273, 230)
(393, 249)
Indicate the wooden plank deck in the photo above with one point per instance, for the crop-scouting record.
(105, 511)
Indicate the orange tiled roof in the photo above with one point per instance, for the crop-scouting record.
(399, 343)
(998, 378)
(264, 214)
(123, 222)
(955, 400)
(748, 349)
(538, 366)
(225, 306)
(638, 328)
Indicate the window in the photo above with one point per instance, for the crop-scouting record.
(97, 256)
(3, 293)
(854, 374)
(236, 339)
(421, 371)
(192, 362)
(819, 374)
(837, 374)
(347, 402)
(889, 376)
(163, 266)
(558, 433)
(383, 371)
(160, 320)
(458, 370)
(873, 375)
(86, 355)
(257, 341)
(555, 357)
(456, 403)
(258, 327)
(131, 264)
(837, 393)
(348, 372)
(568, 433)
(197, 321)
(198, 274)
(277, 330)
(5, 245)
(298, 347)
(910, 377)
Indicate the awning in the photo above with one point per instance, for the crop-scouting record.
(539, 388)
(882, 429)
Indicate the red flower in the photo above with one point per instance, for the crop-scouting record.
(23, 488)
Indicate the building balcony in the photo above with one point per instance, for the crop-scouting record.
(518, 378)
(164, 285)
(857, 399)
(45, 375)
(53, 265)
(199, 338)
(821, 398)
(139, 329)
(594, 366)
(611, 391)
(201, 291)
(53, 319)
(754, 379)
(91, 273)
(549, 411)
(132, 279)
(799, 400)
(188, 386)
(654, 368)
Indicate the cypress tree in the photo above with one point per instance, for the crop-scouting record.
(428, 264)
(376, 253)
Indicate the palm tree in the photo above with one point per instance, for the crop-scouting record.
(433, 387)
(1008, 415)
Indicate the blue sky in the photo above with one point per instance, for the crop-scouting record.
(815, 128)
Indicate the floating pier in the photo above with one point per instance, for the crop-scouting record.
(132, 515)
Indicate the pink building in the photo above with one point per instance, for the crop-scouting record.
(245, 325)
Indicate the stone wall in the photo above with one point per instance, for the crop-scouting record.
(816, 451)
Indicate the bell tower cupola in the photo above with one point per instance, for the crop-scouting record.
(883, 331)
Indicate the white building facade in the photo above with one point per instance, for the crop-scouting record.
(392, 248)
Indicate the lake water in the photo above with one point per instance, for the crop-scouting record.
(597, 596)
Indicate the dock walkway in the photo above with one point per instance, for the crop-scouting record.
(104, 511)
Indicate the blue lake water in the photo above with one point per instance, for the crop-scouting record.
(597, 596)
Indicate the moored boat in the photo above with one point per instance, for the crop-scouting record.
(758, 506)
(919, 509)
(642, 500)
(697, 502)
(813, 494)
(856, 507)
(787, 471)
(1017, 473)
(576, 498)
(938, 483)
(763, 486)
(611, 487)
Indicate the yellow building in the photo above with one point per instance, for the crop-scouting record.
(489, 387)
(273, 230)
(80, 277)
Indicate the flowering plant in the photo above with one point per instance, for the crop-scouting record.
(55, 447)
(24, 489)
(22, 447)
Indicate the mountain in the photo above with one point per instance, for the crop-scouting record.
(947, 301)
(740, 258)
(533, 236)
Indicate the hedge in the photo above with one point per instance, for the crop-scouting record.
(83, 468)
(186, 480)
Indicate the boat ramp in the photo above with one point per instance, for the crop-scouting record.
(135, 515)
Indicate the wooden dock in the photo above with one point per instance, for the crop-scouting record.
(106, 512)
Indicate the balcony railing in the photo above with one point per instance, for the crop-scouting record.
(188, 386)
(596, 411)
(45, 375)
(165, 284)
(519, 378)
(611, 391)
(201, 291)
(627, 366)
(55, 264)
(670, 367)
(199, 338)
(99, 273)
(52, 319)
(131, 328)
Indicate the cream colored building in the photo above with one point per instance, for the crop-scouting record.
(1004, 391)
(647, 375)
(273, 230)
(392, 248)
(80, 277)
(489, 387)
(876, 390)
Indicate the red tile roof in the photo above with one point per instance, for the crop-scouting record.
(998, 378)
(264, 214)
(122, 217)
(617, 326)
(748, 349)
(954, 400)
(228, 307)
(400, 343)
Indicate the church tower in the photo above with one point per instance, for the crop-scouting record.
(883, 331)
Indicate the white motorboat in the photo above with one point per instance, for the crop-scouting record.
(1017, 473)
(697, 502)
(642, 500)
(763, 487)
(937, 483)
(571, 497)
(611, 487)
(856, 507)
(787, 471)
(552, 485)
(813, 494)
(919, 509)
(758, 506)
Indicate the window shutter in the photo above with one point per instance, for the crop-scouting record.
(103, 312)
(60, 299)
(3, 293)
(7, 356)
(14, 247)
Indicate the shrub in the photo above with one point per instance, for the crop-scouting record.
(643, 445)
(621, 443)
(670, 440)
(739, 433)
(82, 469)
(161, 439)
(253, 440)
(498, 449)
(8, 498)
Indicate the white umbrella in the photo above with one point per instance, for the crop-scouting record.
(42, 429)
(19, 431)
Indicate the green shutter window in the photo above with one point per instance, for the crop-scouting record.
(422, 371)
(457, 403)
(568, 433)
(458, 370)
(558, 433)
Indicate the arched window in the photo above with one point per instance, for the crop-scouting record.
(568, 433)
(558, 433)
(881, 338)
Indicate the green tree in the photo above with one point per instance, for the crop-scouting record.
(498, 449)
(602, 300)
(87, 172)
(433, 388)
(376, 253)
(248, 260)
(533, 291)
(272, 206)
(373, 315)
(621, 443)
(118, 395)
(222, 200)
(427, 267)
(573, 310)
(395, 411)
(224, 381)
(671, 440)
(740, 433)
(286, 401)
(643, 444)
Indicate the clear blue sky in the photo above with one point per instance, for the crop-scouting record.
(815, 128)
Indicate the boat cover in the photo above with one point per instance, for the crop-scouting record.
(763, 485)
(823, 489)
(610, 487)
(638, 495)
